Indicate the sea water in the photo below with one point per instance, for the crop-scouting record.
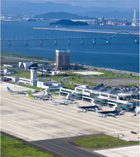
(121, 54)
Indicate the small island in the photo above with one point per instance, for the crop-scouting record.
(69, 23)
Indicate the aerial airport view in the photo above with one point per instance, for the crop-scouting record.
(69, 78)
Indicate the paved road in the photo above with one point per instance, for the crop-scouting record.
(63, 148)
(60, 147)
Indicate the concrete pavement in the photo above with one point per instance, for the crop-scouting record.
(37, 120)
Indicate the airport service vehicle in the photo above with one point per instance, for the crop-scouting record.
(87, 108)
(19, 91)
(39, 96)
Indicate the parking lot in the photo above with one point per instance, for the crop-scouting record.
(40, 120)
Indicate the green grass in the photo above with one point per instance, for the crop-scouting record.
(28, 86)
(106, 72)
(79, 79)
(76, 80)
(25, 74)
(22, 74)
(102, 141)
(14, 148)
(20, 55)
(69, 86)
(56, 93)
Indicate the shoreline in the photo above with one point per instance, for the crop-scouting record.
(112, 70)
(9, 55)
(78, 30)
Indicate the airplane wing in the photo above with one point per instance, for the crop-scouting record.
(19, 91)
(60, 102)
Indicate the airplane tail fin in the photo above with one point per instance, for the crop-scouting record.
(30, 95)
(77, 104)
(96, 109)
(51, 99)
(114, 108)
(9, 89)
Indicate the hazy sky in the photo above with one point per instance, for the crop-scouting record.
(96, 3)
(101, 3)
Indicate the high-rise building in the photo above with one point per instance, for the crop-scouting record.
(134, 23)
(62, 59)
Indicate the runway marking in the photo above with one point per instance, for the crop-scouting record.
(70, 143)
(48, 149)
(65, 148)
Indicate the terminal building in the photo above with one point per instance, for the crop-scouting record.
(62, 59)
(33, 78)
(105, 95)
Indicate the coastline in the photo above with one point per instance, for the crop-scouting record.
(78, 30)
(11, 55)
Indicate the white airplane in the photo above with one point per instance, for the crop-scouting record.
(87, 108)
(19, 91)
(113, 113)
(62, 102)
(39, 96)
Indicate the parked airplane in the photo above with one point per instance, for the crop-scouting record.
(87, 108)
(18, 92)
(111, 113)
(63, 102)
(39, 96)
(137, 110)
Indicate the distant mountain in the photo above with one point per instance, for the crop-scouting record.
(62, 15)
(68, 23)
(28, 8)
(112, 14)
(20, 8)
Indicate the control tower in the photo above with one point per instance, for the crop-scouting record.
(134, 23)
(33, 75)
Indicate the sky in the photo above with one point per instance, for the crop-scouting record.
(94, 3)
(99, 3)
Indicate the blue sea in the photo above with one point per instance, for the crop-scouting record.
(121, 54)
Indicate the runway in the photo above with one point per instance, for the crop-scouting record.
(79, 30)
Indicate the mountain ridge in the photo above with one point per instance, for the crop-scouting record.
(62, 15)
(24, 8)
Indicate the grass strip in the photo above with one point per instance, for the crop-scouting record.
(102, 141)
(14, 148)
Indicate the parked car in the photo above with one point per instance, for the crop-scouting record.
(6, 79)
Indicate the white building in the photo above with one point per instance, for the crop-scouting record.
(54, 72)
(27, 65)
(42, 84)
(7, 66)
(33, 78)
(9, 71)
(49, 86)
(105, 95)
(26, 81)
